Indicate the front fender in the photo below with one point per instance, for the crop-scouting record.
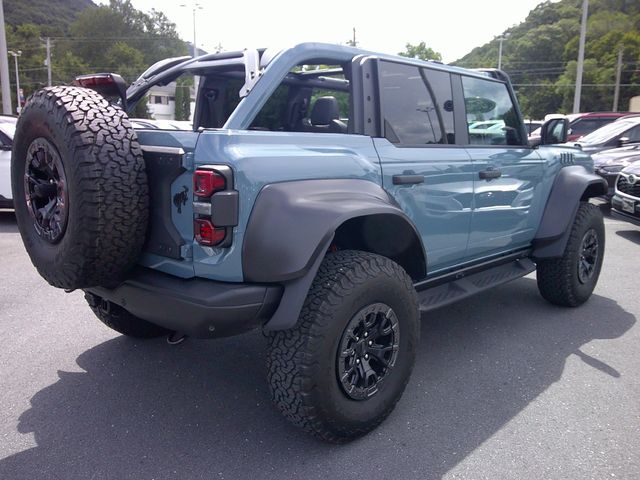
(572, 184)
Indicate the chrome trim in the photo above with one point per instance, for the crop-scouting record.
(159, 149)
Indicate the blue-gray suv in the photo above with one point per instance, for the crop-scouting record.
(325, 194)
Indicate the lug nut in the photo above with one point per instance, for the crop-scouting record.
(370, 343)
(366, 356)
(366, 334)
(357, 360)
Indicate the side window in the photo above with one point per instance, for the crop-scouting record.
(409, 113)
(440, 83)
(633, 134)
(491, 114)
(310, 98)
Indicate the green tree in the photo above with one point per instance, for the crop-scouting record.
(183, 98)
(420, 51)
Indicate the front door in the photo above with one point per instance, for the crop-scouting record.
(507, 172)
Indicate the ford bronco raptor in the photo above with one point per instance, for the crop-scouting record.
(326, 194)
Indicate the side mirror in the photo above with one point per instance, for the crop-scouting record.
(5, 148)
(622, 141)
(554, 131)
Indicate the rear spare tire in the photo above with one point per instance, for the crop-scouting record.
(79, 187)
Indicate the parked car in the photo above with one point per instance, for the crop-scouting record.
(328, 207)
(7, 130)
(621, 132)
(581, 124)
(609, 163)
(625, 203)
(532, 125)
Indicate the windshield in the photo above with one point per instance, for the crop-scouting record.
(607, 132)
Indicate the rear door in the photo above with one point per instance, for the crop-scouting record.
(422, 168)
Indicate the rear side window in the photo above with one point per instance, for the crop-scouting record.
(440, 83)
(409, 113)
(588, 125)
(491, 114)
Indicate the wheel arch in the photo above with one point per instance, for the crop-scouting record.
(573, 184)
(293, 225)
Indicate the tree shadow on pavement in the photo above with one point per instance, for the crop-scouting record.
(202, 409)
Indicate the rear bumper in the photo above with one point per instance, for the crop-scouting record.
(197, 307)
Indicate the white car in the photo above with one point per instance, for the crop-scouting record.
(7, 129)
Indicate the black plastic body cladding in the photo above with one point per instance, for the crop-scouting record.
(570, 186)
(292, 222)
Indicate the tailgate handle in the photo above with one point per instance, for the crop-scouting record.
(407, 179)
(490, 174)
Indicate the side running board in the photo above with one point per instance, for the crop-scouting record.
(471, 284)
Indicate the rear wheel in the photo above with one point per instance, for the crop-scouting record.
(569, 280)
(340, 372)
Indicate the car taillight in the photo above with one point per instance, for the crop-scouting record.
(215, 206)
(207, 182)
(206, 233)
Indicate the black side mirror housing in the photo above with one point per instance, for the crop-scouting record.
(554, 131)
(5, 148)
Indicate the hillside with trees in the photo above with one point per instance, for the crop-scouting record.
(540, 55)
(106, 38)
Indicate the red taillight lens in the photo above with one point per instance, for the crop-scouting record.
(206, 233)
(207, 182)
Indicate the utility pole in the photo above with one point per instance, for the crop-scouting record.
(4, 67)
(355, 44)
(48, 61)
(583, 35)
(616, 92)
(15, 58)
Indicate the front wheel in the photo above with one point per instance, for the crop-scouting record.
(569, 280)
(340, 372)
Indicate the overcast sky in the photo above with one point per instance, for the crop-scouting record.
(451, 27)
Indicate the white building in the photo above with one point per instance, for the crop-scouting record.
(162, 101)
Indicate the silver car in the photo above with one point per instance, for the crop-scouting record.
(7, 129)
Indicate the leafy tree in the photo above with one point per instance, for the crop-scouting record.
(183, 98)
(420, 51)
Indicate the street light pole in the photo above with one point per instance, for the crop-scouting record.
(15, 58)
(194, 7)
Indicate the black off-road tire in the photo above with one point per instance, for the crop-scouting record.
(117, 318)
(105, 187)
(303, 362)
(558, 278)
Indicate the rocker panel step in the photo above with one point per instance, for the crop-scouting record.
(466, 286)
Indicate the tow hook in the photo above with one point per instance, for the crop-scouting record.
(174, 338)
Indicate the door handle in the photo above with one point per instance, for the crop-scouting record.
(407, 179)
(490, 174)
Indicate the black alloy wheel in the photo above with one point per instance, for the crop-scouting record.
(368, 350)
(588, 256)
(45, 190)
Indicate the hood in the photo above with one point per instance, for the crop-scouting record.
(607, 156)
(633, 168)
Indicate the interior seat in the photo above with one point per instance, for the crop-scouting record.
(325, 117)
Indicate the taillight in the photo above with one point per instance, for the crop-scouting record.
(215, 205)
(206, 233)
(207, 182)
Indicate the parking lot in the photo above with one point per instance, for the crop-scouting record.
(505, 386)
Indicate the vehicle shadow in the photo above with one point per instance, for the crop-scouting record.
(8, 222)
(202, 409)
(631, 235)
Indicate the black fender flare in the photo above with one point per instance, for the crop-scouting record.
(292, 225)
(572, 185)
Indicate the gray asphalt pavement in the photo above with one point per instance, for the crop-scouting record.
(506, 386)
